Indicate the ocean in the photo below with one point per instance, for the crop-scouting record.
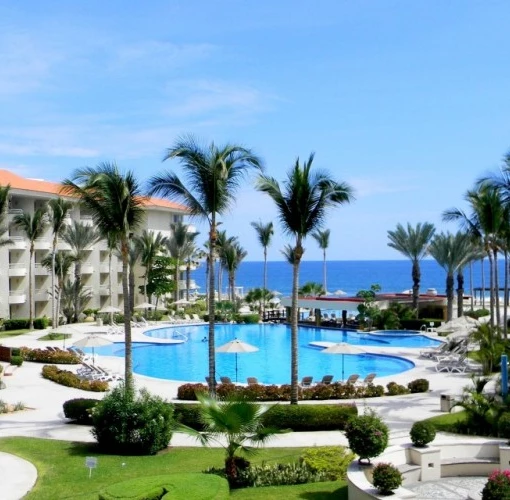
(349, 275)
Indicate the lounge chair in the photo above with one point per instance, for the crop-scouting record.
(326, 380)
(455, 353)
(352, 379)
(209, 378)
(252, 381)
(226, 380)
(306, 382)
(196, 318)
(51, 349)
(440, 349)
(369, 379)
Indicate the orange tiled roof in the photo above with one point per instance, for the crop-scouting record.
(40, 186)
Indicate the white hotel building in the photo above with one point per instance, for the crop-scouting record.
(27, 195)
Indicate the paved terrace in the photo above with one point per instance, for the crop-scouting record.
(44, 399)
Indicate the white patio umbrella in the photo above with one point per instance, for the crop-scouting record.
(144, 305)
(236, 346)
(343, 348)
(181, 302)
(64, 330)
(92, 341)
(276, 292)
(109, 309)
(339, 292)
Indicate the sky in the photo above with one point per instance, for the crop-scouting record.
(408, 102)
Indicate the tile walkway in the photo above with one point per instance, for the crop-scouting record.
(454, 488)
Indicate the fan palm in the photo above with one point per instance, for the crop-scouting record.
(4, 203)
(322, 239)
(265, 234)
(213, 175)
(33, 225)
(80, 238)
(117, 207)
(59, 210)
(302, 207)
(413, 243)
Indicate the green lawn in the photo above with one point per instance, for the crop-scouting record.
(55, 336)
(443, 423)
(62, 472)
(13, 333)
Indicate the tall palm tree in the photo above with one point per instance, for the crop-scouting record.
(193, 257)
(134, 253)
(322, 239)
(80, 238)
(413, 242)
(302, 207)
(213, 175)
(179, 245)
(4, 204)
(222, 242)
(264, 234)
(117, 207)
(33, 225)
(111, 245)
(451, 252)
(232, 256)
(58, 209)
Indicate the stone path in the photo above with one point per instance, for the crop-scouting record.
(454, 488)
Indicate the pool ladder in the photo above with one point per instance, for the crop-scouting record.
(179, 335)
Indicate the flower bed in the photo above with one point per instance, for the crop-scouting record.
(69, 379)
(45, 356)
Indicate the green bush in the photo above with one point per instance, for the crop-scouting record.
(41, 323)
(134, 424)
(79, 410)
(189, 415)
(504, 426)
(16, 360)
(331, 460)
(386, 478)
(395, 389)
(422, 433)
(250, 319)
(191, 486)
(45, 356)
(418, 385)
(22, 323)
(280, 475)
(367, 435)
(16, 351)
(477, 313)
(70, 379)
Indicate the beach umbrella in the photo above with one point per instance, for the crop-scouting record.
(181, 302)
(64, 330)
(236, 346)
(276, 292)
(343, 348)
(109, 309)
(144, 305)
(92, 341)
(339, 292)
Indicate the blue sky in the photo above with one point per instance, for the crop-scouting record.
(408, 102)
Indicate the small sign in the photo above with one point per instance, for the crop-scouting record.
(91, 463)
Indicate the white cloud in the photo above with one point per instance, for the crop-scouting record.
(370, 186)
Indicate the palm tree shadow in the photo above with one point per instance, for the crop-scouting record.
(339, 494)
(80, 449)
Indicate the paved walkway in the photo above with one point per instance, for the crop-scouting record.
(45, 418)
(453, 488)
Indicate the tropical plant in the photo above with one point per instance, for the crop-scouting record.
(68, 293)
(232, 423)
(4, 204)
(117, 208)
(413, 243)
(213, 175)
(386, 478)
(231, 256)
(179, 246)
(498, 486)
(158, 283)
(322, 239)
(368, 310)
(302, 207)
(258, 297)
(33, 225)
(80, 238)
(422, 433)
(58, 210)
(491, 347)
(264, 234)
(311, 289)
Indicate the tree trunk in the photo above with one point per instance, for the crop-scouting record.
(188, 278)
(212, 353)
(207, 278)
(471, 285)
(449, 297)
(54, 321)
(483, 284)
(505, 304)
(128, 356)
(232, 286)
(324, 272)
(416, 274)
(110, 293)
(294, 394)
(491, 286)
(496, 288)
(460, 293)
(30, 289)
(176, 278)
(77, 288)
(131, 287)
(265, 281)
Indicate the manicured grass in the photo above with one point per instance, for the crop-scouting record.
(443, 423)
(13, 333)
(62, 472)
(55, 336)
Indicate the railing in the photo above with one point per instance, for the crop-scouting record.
(178, 335)
(19, 265)
(15, 211)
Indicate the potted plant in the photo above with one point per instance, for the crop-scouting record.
(386, 478)
(422, 433)
(498, 486)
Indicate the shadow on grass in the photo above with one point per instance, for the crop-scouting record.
(338, 494)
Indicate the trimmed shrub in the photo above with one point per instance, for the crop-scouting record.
(133, 424)
(16, 360)
(189, 415)
(395, 389)
(330, 460)
(498, 486)
(45, 356)
(367, 435)
(22, 323)
(418, 385)
(70, 379)
(422, 433)
(250, 319)
(280, 475)
(187, 485)
(79, 410)
(386, 478)
(41, 323)
(477, 313)
(16, 351)
(504, 426)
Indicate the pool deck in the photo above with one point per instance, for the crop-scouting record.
(44, 399)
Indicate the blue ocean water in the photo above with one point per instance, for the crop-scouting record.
(349, 275)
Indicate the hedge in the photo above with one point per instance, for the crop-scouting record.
(22, 323)
(79, 410)
(316, 417)
(45, 356)
(70, 379)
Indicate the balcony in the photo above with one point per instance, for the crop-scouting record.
(40, 270)
(18, 243)
(104, 268)
(17, 297)
(62, 245)
(42, 244)
(13, 212)
(87, 268)
(86, 220)
(89, 289)
(18, 269)
(41, 295)
(104, 290)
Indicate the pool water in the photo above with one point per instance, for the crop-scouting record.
(271, 364)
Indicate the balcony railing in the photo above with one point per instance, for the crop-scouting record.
(18, 243)
(18, 269)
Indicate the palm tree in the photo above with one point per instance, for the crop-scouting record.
(33, 226)
(213, 175)
(4, 203)
(264, 233)
(232, 255)
(80, 238)
(192, 258)
(59, 209)
(413, 243)
(232, 424)
(179, 246)
(259, 296)
(312, 289)
(451, 252)
(322, 239)
(134, 253)
(302, 207)
(117, 207)
(111, 245)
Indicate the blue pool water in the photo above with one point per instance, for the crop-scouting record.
(271, 364)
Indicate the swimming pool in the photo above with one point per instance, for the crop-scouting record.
(271, 364)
